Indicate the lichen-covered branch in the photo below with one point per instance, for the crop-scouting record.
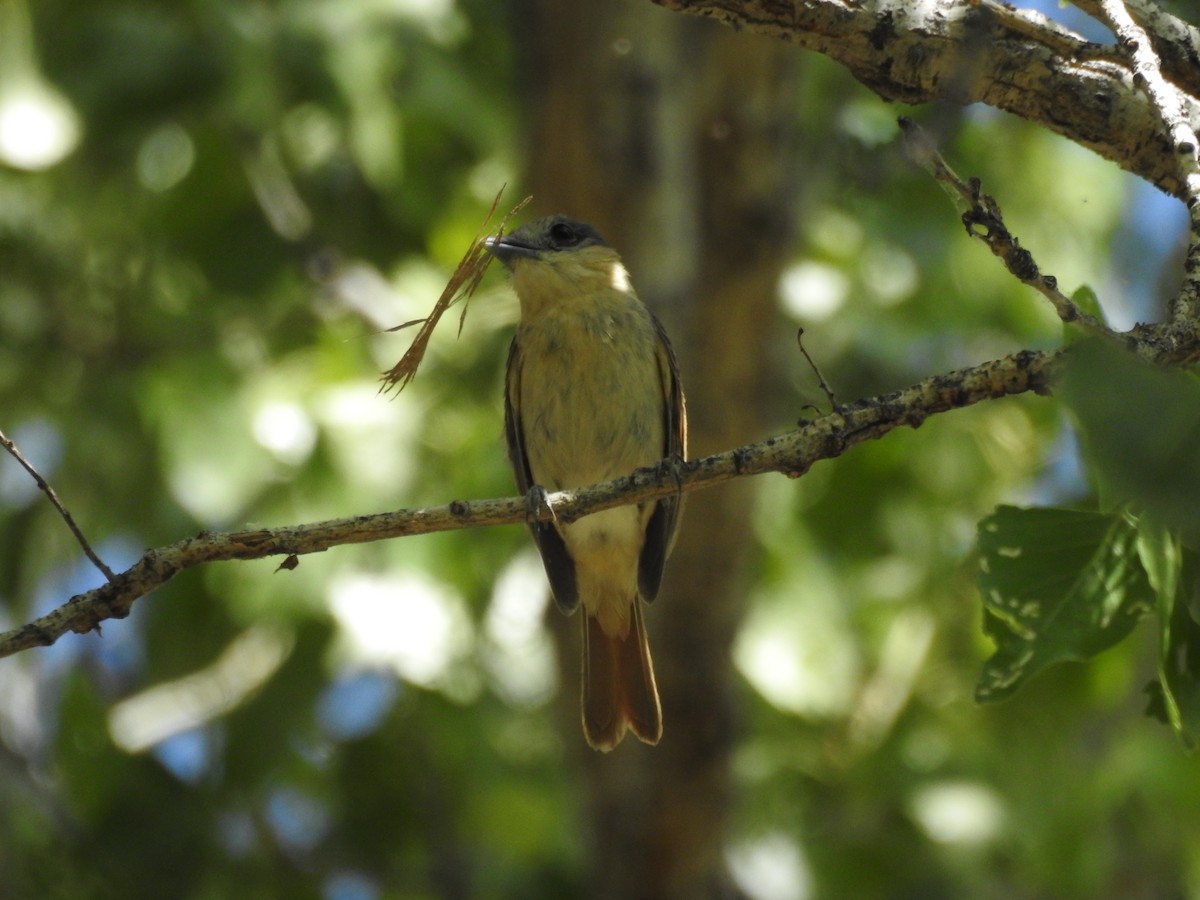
(791, 453)
(983, 220)
(1170, 102)
(966, 52)
(1176, 43)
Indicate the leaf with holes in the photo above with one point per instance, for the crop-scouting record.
(1057, 585)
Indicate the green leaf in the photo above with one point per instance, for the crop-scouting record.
(1141, 429)
(1087, 302)
(1057, 585)
(1175, 697)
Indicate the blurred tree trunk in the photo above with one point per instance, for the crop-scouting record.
(672, 137)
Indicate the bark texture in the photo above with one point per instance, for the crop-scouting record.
(986, 52)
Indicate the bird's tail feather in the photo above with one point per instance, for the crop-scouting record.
(619, 691)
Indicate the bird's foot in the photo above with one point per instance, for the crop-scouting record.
(537, 505)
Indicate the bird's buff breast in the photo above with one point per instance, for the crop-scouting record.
(591, 393)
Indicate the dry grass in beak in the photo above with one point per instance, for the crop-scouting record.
(461, 286)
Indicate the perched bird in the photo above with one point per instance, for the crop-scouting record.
(592, 393)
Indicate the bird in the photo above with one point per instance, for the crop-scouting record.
(592, 392)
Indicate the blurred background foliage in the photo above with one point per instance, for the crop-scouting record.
(209, 211)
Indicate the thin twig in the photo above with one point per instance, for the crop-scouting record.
(820, 378)
(46, 489)
(983, 220)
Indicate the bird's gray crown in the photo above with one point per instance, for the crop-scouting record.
(550, 234)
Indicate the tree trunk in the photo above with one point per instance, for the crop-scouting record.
(670, 136)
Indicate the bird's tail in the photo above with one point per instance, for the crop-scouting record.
(619, 692)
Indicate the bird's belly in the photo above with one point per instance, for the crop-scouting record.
(591, 402)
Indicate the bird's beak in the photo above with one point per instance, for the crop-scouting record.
(508, 250)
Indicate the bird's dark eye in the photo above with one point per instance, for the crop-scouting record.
(563, 235)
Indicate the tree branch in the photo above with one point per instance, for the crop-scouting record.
(1176, 43)
(983, 220)
(791, 453)
(982, 51)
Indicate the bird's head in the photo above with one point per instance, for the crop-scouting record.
(554, 258)
(544, 239)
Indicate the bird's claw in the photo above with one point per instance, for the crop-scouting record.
(537, 505)
(673, 466)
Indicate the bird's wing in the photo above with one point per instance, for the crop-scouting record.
(660, 530)
(560, 568)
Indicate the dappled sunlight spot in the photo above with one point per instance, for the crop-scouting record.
(365, 432)
(286, 430)
(429, 10)
(770, 867)
(357, 26)
(311, 134)
(892, 577)
(38, 126)
(958, 812)
(889, 273)
(799, 654)
(835, 233)
(870, 122)
(276, 192)
(926, 747)
(890, 687)
(157, 713)
(910, 529)
(813, 291)
(1008, 438)
(414, 625)
(519, 655)
(204, 488)
(22, 724)
(486, 174)
(244, 346)
(165, 158)
(375, 126)
(361, 287)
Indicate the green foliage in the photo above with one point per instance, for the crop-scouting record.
(1141, 429)
(1063, 585)
(1175, 696)
(1057, 585)
(1088, 303)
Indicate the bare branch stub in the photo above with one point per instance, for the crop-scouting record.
(826, 389)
